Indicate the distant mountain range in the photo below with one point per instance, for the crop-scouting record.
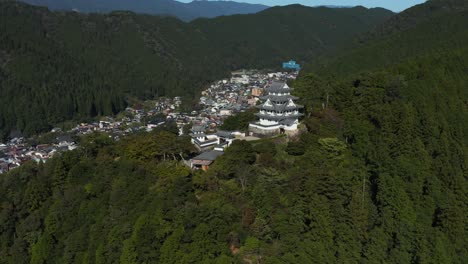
(184, 11)
(336, 6)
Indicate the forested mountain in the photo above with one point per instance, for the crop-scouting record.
(418, 14)
(435, 27)
(379, 175)
(285, 32)
(210, 9)
(57, 66)
(184, 11)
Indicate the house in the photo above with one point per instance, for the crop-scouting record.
(225, 112)
(154, 124)
(257, 91)
(205, 160)
(64, 140)
(201, 140)
(242, 79)
(3, 167)
(252, 101)
(225, 139)
(104, 124)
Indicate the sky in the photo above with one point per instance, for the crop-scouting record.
(394, 5)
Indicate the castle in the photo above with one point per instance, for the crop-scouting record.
(278, 113)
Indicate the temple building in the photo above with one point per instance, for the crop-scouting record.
(278, 112)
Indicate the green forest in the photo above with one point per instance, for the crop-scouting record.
(59, 66)
(378, 175)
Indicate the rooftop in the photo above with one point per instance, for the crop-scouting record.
(198, 129)
(278, 117)
(279, 98)
(278, 87)
(210, 155)
(279, 107)
(224, 134)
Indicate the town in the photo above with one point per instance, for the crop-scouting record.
(222, 99)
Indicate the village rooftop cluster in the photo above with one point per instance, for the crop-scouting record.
(220, 100)
(17, 151)
(238, 94)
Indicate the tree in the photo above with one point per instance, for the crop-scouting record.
(239, 154)
(295, 148)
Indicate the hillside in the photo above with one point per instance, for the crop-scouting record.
(379, 176)
(433, 27)
(419, 14)
(184, 11)
(293, 31)
(60, 66)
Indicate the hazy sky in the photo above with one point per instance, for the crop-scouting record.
(395, 5)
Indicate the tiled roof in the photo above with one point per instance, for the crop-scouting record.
(278, 87)
(202, 162)
(198, 129)
(210, 155)
(224, 134)
(278, 117)
(279, 98)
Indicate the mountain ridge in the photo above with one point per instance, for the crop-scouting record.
(184, 11)
(431, 27)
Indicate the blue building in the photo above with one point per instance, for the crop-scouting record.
(291, 65)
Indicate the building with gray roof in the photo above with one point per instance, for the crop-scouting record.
(204, 160)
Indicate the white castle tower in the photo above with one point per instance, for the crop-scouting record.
(278, 113)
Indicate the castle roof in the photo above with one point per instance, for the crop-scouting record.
(288, 121)
(270, 106)
(279, 98)
(279, 107)
(278, 117)
(278, 87)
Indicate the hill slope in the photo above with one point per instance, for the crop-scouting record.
(418, 14)
(184, 11)
(293, 31)
(436, 26)
(378, 176)
(60, 66)
(401, 102)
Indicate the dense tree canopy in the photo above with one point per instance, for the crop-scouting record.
(239, 122)
(379, 175)
(435, 27)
